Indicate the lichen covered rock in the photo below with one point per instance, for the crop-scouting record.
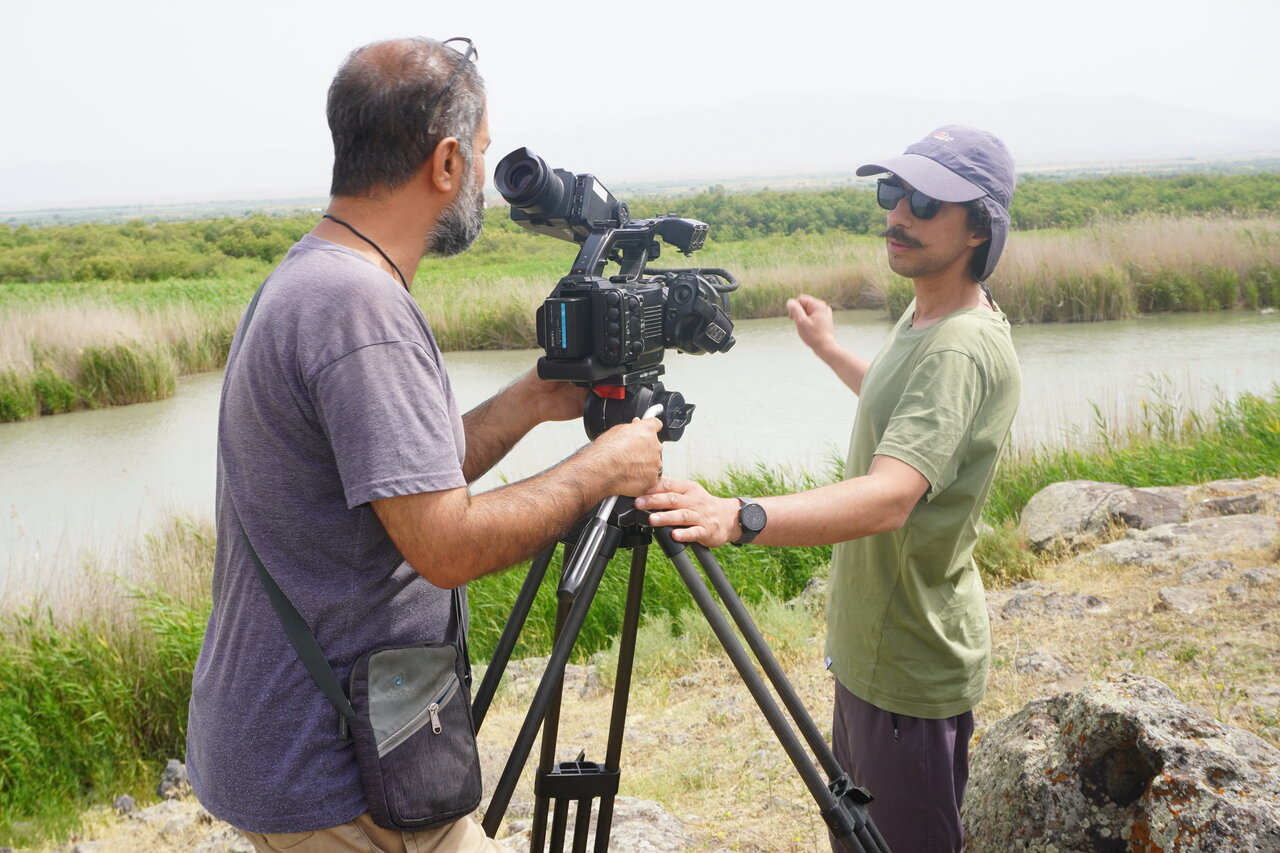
(1121, 765)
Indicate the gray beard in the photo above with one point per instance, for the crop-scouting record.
(459, 224)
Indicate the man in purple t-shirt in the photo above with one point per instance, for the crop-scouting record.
(343, 452)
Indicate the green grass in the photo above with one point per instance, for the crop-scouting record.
(756, 573)
(93, 702)
(1164, 444)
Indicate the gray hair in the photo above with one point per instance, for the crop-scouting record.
(385, 118)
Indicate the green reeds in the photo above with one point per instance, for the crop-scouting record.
(64, 356)
(94, 687)
(1163, 444)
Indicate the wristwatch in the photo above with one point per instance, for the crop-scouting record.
(752, 518)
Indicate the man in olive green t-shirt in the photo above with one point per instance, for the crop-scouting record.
(907, 633)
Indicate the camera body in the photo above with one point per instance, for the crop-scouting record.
(614, 331)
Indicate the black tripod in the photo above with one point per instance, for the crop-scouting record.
(616, 523)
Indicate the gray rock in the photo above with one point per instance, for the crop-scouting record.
(1121, 765)
(1149, 506)
(812, 598)
(1076, 512)
(225, 839)
(1033, 598)
(1040, 663)
(1209, 570)
(173, 781)
(1192, 542)
(1067, 514)
(1183, 600)
(1237, 486)
(1236, 592)
(522, 678)
(1233, 505)
(1260, 576)
(124, 804)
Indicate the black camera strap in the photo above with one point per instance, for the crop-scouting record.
(296, 628)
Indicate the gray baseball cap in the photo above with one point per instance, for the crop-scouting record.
(957, 163)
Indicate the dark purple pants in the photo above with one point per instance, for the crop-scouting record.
(915, 769)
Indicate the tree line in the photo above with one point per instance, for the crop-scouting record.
(154, 251)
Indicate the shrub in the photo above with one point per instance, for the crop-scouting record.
(126, 373)
(18, 400)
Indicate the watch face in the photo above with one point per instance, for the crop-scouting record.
(752, 517)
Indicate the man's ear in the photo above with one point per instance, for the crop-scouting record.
(445, 165)
(977, 238)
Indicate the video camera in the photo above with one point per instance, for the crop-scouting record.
(609, 334)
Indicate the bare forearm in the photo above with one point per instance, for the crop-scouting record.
(492, 429)
(504, 526)
(847, 365)
(458, 537)
(880, 501)
(452, 536)
(839, 512)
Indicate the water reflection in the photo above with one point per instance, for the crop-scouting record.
(99, 480)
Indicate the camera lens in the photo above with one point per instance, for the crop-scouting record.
(520, 177)
(526, 183)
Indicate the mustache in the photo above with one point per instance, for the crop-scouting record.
(897, 235)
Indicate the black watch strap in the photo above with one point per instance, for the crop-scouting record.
(751, 518)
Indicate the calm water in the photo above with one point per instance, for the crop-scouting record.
(92, 483)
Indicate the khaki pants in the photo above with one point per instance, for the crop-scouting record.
(362, 835)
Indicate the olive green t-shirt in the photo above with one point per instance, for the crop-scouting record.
(906, 616)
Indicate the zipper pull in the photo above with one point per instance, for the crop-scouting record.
(434, 710)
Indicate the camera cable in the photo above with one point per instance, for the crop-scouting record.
(376, 247)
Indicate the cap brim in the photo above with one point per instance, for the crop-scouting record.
(929, 176)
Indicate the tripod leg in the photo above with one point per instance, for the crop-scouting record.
(872, 839)
(547, 755)
(622, 688)
(830, 806)
(542, 697)
(507, 642)
(772, 669)
(582, 825)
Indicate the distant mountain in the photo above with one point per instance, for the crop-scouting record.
(788, 135)
(798, 140)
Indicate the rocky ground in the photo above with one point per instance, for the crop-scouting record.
(1185, 591)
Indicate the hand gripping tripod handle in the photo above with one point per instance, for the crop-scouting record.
(591, 537)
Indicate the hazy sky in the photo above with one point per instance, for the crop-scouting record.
(148, 102)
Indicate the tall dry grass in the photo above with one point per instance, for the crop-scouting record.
(1118, 268)
(60, 354)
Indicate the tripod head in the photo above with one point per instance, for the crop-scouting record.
(608, 405)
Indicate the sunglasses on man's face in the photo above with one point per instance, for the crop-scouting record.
(889, 192)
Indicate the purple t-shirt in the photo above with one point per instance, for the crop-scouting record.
(335, 395)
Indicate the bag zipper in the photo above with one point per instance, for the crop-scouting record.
(433, 713)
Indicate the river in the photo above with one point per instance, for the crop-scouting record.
(89, 485)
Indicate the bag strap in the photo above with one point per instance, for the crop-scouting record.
(304, 642)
